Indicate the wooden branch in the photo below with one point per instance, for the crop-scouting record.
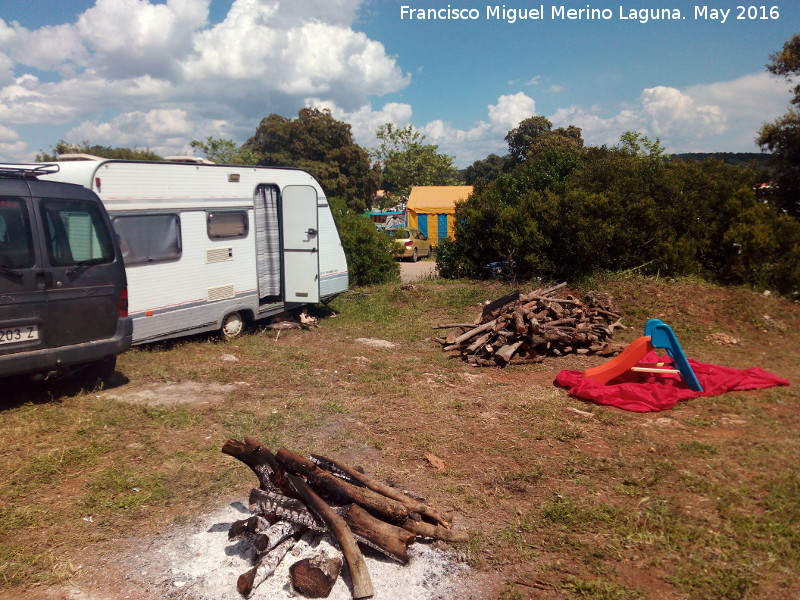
(362, 584)
(343, 492)
(266, 566)
(432, 531)
(454, 325)
(382, 488)
(389, 539)
(475, 331)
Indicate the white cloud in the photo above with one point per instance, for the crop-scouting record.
(139, 56)
(133, 37)
(723, 114)
(510, 110)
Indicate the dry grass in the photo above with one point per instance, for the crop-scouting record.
(701, 502)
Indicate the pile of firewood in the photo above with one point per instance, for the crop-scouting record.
(525, 328)
(298, 496)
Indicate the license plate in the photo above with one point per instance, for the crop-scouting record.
(20, 333)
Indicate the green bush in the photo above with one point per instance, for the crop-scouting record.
(370, 254)
(569, 213)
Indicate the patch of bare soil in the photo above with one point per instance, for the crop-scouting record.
(171, 394)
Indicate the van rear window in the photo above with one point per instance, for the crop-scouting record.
(16, 243)
(75, 232)
(149, 238)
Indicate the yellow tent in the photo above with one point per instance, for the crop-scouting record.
(431, 209)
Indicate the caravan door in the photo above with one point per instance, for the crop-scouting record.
(300, 244)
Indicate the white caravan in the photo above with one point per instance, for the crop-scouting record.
(208, 247)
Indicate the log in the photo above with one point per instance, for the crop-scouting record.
(362, 584)
(505, 353)
(273, 505)
(382, 488)
(432, 531)
(260, 460)
(391, 540)
(250, 580)
(315, 576)
(340, 491)
(251, 526)
(475, 331)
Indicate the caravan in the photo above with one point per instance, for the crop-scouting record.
(210, 247)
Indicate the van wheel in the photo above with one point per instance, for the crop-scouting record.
(232, 326)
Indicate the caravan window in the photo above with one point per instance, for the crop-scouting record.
(149, 238)
(16, 245)
(227, 224)
(75, 233)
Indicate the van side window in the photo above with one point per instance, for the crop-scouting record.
(227, 224)
(75, 232)
(16, 243)
(149, 238)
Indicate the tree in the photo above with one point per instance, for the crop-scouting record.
(321, 145)
(636, 144)
(782, 137)
(370, 254)
(406, 161)
(224, 151)
(485, 171)
(536, 134)
(84, 147)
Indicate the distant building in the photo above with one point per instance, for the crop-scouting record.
(432, 208)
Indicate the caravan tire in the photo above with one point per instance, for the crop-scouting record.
(232, 326)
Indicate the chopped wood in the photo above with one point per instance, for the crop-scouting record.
(298, 495)
(359, 575)
(250, 580)
(340, 491)
(383, 488)
(393, 541)
(314, 577)
(526, 328)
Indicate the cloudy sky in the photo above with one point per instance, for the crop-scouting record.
(158, 73)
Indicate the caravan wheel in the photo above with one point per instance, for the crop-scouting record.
(232, 326)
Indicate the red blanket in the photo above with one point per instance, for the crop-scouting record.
(646, 392)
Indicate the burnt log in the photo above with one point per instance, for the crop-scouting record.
(314, 577)
(340, 491)
(382, 488)
(359, 575)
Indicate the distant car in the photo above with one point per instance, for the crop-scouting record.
(412, 243)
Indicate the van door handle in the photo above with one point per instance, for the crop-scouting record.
(311, 231)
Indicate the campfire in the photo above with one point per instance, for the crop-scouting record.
(298, 497)
(525, 328)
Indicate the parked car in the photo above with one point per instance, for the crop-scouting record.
(63, 290)
(412, 243)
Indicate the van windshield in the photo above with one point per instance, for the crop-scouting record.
(76, 233)
(16, 242)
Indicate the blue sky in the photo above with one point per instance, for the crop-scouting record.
(158, 74)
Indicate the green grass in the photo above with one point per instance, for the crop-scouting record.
(705, 498)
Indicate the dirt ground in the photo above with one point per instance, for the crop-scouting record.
(563, 499)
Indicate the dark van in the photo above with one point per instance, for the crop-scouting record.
(63, 292)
